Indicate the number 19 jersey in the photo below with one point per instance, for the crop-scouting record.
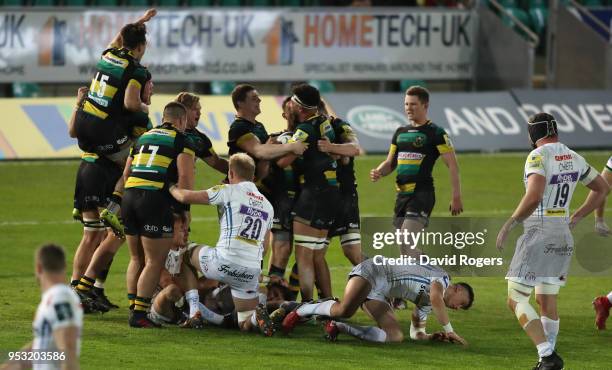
(562, 168)
(246, 219)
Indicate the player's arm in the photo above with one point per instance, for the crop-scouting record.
(189, 196)
(81, 94)
(218, 163)
(387, 166)
(127, 169)
(436, 297)
(184, 166)
(348, 148)
(599, 191)
(417, 326)
(66, 339)
(131, 100)
(450, 160)
(536, 184)
(266, 151)
(117, 41)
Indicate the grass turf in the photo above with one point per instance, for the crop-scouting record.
(36, 203)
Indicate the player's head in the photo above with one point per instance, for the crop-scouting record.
(541, 126)
(276, 293)
(50, 259)
(181, 230)
(147, 90)
(241, 168)
(416, 103)
(176, 114)
(287, 114)
(194, 108)
(459, 295)
(305, 100)
(134, 38)
(246, 100)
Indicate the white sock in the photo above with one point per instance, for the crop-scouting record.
(193, 298)
(99, 284)
(369, 333)
(544, 349)
(551, 329)
(610, 297)
(208, 315)
(310, 309)
(254, 320)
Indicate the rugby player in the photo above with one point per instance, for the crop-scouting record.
(600, 223)
(544, 251)
(315, 207)
(100, 125)
(160, 156)
(413, 152)
(370, 286)
(58, 322)
(236, 260)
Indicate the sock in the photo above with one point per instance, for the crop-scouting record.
(74, 283)
(544, 349)
(368, 333)
(193, 298)
(208, 315)
(132, 300)
(294, 283)
(254, 320)
(142, 304)
(99, 284)
(85, 284)
(551, 329)
(610, 297)
(323, 308)
(101, 279)
(277, 271)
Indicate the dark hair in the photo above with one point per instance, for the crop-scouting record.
(240, 92)
(133, 35)
(308, 95)
(283, 289)
(287, 99)
(541, 117)
(420, 92)
(51, 257)
(470, 293)
(174, 110)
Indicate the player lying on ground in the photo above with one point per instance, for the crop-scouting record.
(246, 219)
(370, 286)
(543, 253)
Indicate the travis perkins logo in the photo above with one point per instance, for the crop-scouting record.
(241, 276)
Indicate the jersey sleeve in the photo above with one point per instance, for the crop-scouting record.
(217, 194)
(587, 172)
(343, 131)
(535, 164)
(609, 164)
(442, 141)
(240, 132)
(184, 145)
(66, 310)
(138, 77)
(393, 146)
(202, 145)
(303, 133)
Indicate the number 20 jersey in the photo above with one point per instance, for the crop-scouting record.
(562, 168)
(247, 217)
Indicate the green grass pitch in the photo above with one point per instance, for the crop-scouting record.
(36, 201)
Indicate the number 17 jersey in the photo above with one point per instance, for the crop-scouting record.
(562, 168)
(247, 217)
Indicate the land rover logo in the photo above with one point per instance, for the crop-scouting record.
(375, 121)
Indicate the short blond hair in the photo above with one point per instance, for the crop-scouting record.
(243, 166)
(189, 100)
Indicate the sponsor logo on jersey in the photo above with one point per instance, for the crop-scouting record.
(251, 194)
(253, 212)
(410, 155)
(112, 60)
(564, 157)
(239, 275)
(562, 178)
(98, 101)
(375, 121)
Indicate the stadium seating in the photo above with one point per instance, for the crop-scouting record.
(140, 3)
(25, 90)
(222, 87)
(12, 3)
(43, 3)
(75, 3)
(200, 2)
(230, 2)
(169, 3)
(405, 84)
(261, 3)
(324, 86)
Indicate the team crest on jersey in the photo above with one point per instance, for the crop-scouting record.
(535, 161)
(418, 141)
(299, 136)
(217, 188)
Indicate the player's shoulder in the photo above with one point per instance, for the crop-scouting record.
(61, 293)
(436, 129)
(240, 123)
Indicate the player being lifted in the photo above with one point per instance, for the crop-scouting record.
(371, 285)
(544, 251)
(58, 322)
(161, 156)
(413, 153)
(236, 260)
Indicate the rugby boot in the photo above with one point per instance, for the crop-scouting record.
(112, 220)
(602, 311)
(331, 331)
(264, 322)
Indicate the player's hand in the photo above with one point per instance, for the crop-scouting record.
(454, 338)
(601, 227)
(298, 148)
(324, 145)
(375, 175)
(148, 15)
(574, 220)
(81, 94)
(456, 206)
(439, 337)
(501, 238)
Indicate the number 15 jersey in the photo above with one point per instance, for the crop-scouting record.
(247, 217)
(562, 168)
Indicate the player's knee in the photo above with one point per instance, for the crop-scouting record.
(511, 304)
(394, 335)
(345, 310)
(174, 292)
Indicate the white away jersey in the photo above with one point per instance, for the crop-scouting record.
(562, 168)
(247, 217)
(60, 307)
(609, 164)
